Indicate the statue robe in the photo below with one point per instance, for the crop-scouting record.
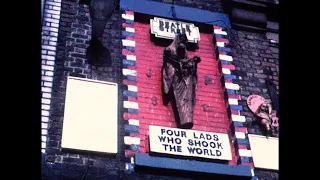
(179, 81)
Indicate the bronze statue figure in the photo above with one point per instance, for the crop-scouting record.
(100, 13)
(179, 81)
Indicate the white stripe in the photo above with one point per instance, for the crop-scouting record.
(232, 86)
(233, 101)
(131, 57)
(245, 152)
(128, 16)
(132, 160)
(134, 122)
(225, 57)
(252, 172)
(240, 135)
(127, 166)
(238, 118)
(126, 42)
(127, 72)
(44, 132)
(43, 150)
(44, 119)
(44, 125)
(43, 145)
(226, 71)
(131, 140)
(220, 44)
(132, 88)
(129, 29)
(131, 105)
(44, 138)
(219, 31)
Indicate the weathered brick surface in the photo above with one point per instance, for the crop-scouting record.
(210, 5)
(252, 53)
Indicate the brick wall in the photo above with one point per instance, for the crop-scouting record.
(252, 53)
(210, 96)
(210, 5)
(70, 60)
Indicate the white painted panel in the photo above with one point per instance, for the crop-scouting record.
(265, 151)
(185, 142)
(90, 116)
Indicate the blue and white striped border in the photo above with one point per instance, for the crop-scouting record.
(50, 28)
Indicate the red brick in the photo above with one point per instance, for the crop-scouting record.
(132, 99)
(128, 116)
(130, 38)
(217, 27)
(234, 96)
(127, 52)
(222, 40)
(127, 25)
(228, 66)
(129, 12)
(127, 82)
(129, 153)
(235, 112)
(241, 129)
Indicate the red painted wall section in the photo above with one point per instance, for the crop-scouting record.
(149, 60)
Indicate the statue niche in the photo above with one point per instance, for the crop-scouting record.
(179, 81)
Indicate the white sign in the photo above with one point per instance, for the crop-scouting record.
(265, 151)
(189, 143)
(165, 28)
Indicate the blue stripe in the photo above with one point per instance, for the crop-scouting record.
(130, 93)
(224, 49)
(219, 36)
(128, 21)
(236, 107)
(245, 159)
(191, 166)
(237, 124)
(133, 111)
(230, 91)
(225, 62)
(128, 62)
(131, 78)
(183, 13)
(131, 128)
(126, 33)
(242, 141)
(134, 147)
(230, 76)
(130, 48)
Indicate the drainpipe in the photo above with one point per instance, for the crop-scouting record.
(42, 7)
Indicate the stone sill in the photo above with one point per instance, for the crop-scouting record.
(192, 166)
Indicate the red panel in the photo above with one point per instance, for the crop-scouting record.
(149, 61)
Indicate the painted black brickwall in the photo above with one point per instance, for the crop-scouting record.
(252, 53)
(210, 5)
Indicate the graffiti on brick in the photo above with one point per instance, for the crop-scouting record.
(262, 109)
